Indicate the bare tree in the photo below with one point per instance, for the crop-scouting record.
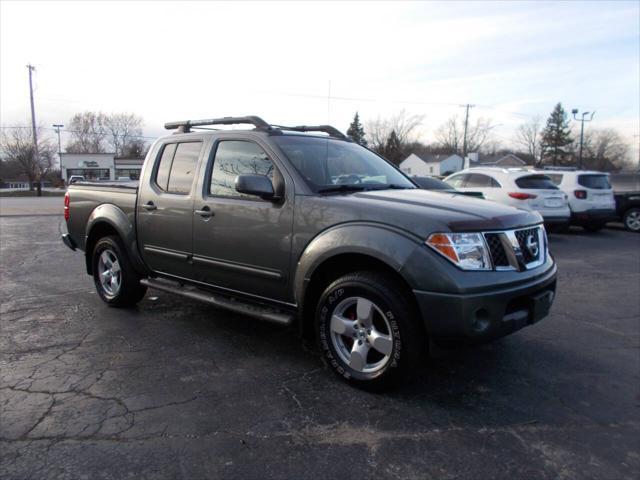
(450, 135)
(404, 125)
(88, 133)
(17, 145)
(604, 149)
(528, 137)
(122, 131)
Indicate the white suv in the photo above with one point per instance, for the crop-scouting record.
(590, 196)
(518, 187)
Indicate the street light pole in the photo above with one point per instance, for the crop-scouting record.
(58, 127)
(584, 114)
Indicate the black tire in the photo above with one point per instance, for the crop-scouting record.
(393, 320)
(129, 291)
(593, 227)
(631, 220)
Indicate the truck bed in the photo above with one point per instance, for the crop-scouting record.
(85, 197)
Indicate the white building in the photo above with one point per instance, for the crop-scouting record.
(431, 165)
(99, 166)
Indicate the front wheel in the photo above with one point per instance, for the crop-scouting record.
(631, 220)
(368, 330)
(116, 281)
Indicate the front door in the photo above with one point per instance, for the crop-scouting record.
(242, 243)
(165, 208)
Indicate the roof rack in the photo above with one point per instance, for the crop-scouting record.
(560, 169)
(332, 131)
(185, 125)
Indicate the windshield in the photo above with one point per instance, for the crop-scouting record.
(329, 164)
(536, 182)
(599, 182)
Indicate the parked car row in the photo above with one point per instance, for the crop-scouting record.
(562, 197)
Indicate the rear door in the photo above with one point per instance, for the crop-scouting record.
(241, 242)
(165, 207)
(489, 186)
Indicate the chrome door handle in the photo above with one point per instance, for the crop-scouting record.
(205, 212)
(149, 206)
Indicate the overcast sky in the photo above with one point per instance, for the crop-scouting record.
(170, 61)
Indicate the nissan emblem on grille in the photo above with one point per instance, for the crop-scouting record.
(532, 245)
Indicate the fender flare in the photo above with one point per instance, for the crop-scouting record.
(123, 224)
(383, 242)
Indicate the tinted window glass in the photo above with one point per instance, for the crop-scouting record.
(183, 168)
(536, 182)
(325, 162)
(480, 181)
(235, 158)
(431, 183)
(556, 178)
(164, 166)
(599, 182)
(458, 181)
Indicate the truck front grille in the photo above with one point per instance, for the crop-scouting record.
(498, 255)
(523, 237)
(521, 249)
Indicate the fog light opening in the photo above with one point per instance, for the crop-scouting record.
(480, 320)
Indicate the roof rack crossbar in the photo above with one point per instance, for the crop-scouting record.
(332, 131)
(185, 125)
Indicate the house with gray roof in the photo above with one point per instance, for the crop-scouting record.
(425, 165)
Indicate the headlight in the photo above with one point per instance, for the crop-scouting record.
(466, 250)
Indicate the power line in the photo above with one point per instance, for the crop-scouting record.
(71, 131)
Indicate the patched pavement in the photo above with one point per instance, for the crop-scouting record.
(177, 389)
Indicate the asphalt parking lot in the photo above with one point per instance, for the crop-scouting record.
(176, 389)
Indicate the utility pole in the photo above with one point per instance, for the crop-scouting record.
(36, 158)
(582, 120)
(466, 125)
(58, 127)
(329, 104)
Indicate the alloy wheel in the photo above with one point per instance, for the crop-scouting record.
(361, 335)
(109, 272)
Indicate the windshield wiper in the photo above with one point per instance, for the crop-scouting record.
(342, 188)
(396, 186)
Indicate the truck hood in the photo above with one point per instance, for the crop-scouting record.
(457, 212)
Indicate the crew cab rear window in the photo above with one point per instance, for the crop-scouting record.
(233, 158)
(598, 182)
(177, 166)
(536, 182)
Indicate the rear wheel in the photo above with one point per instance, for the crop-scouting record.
(368, 330)
(631, 219)
(116, 281)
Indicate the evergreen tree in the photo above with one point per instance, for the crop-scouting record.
(393, 149)
(556, 136)
(356, 131)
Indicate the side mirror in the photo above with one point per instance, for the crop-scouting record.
(258, 185)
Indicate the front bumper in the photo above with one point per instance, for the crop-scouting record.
(593, 216)
(487, 315)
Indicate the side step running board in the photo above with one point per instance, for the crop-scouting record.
(238, 306)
